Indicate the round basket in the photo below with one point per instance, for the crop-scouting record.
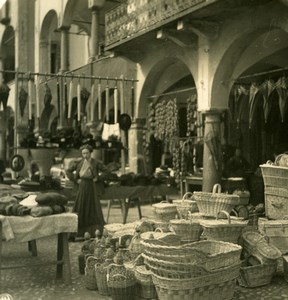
(185, 205)
(188, 230)
(210, 204)
(164, 211)
(121, 282)
(112, 228)
(145, 287)
(101, 277)
(223, 230)
(164, 226)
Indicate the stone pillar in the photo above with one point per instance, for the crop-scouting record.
(44, 56)
(64, 49)
(95, 6)
(212, 158)
(137, 160)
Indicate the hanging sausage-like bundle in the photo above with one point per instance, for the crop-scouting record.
(4, 94)
(23, 95)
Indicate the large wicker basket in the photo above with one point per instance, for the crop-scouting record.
(256, 245)
(210, 204)
(145, 287)
(185, 205)
(208, 254)
(274, 176)
(276, 202)
(219, 285)
(223, 230)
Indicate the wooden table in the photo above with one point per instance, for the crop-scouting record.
(190, 180)
(29, 229)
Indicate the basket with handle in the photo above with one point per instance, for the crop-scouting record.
(101, 276)
(210, 204)
(257, 274)
(256, 245)
(164, 211)
(219, 285)
(144, 287)
(189, 230)
(121, 282)
(185, 205)
(208, 254)
(223, 230)
(90, 277)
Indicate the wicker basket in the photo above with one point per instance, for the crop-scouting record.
(256, 275)
(121, 282)
(256, 245)
(90, 277)
(164, 226)
(274, 176)
(185, 205)
(220, 285)
(164, 211)
(276, 202)
(208, 254)
(145, 287)
(222, 230)
(210, 204)
(188, 230)
(101, 277)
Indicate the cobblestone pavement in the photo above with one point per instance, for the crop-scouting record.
(39, 283)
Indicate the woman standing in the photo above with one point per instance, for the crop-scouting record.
(85, 173)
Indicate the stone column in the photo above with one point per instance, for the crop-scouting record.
(137, 160)
(95, 6)
(64, 49)
(212, 158)
(44, 56)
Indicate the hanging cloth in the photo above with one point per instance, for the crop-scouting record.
(110, 130)
(99, 93)
(254, 89)
(92, 104)
(4, 94)
(281, 87)
(70, 96)
(266, 89)
(65, 99)
(23, 95)
(85, 94)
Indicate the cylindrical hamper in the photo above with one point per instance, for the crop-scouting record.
(164, 211)
(145, 287)
(222, 230)
(190, 231)
(121, 282)
(219, 285)
(274, 176)
(210, 204)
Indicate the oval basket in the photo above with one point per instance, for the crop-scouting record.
(185, 205)
(210, 204)
(188, 230)
(223, 230)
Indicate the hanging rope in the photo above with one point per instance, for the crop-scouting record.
(99, 92)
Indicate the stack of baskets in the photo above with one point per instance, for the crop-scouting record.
(260, 261)
(223, 230)
(201, 270)
(210, 204)
(164, 211)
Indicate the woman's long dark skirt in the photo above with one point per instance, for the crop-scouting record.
(88, 208)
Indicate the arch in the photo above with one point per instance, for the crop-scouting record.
(161, 78)
(49, 51)
(8, 52)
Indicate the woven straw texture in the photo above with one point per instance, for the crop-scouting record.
(276, 202)
(210, 204)
(274, 176)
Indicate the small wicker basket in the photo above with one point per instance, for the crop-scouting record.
(256, 275)
(210, 204)
(256, 245)
(164, 211)
(185, 205)
(190, 231)
(222, 230)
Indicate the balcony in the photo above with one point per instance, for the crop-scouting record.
(136, 17)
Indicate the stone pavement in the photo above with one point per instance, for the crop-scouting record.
(38, 283)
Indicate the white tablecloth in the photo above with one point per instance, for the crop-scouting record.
(27, 228)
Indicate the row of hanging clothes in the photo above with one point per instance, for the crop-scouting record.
(259, 119)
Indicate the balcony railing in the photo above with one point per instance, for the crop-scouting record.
(137, 16)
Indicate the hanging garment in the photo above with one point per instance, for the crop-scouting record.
(281, 87)
(23, 95)
(266, 89)
(110, 130)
